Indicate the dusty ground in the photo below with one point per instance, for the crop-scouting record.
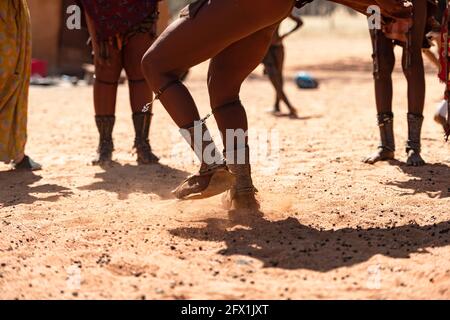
(330, 226)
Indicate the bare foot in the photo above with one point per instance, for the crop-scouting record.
(414, 159)
(293, 114)
(274, 111)
(381, 155)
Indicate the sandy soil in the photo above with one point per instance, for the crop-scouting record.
(330, 226)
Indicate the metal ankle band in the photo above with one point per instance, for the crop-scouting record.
(227, 105)
(159, 93)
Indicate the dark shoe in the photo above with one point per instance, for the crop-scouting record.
(105, 126)
(141, 122)
(27, 164)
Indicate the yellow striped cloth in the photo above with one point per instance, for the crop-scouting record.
(15, 69)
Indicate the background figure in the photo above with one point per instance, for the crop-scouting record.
(121, 32)
(273, 66)
(15, 70)
(441, 114)
(435, 40)
(434, 34)
(411, 38)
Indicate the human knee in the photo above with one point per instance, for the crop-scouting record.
(108, 72)
(221, 92)
(415, 66)
(134, 71)
(151, 68)
(386, 64)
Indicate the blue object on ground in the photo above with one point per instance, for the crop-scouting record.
(306, 81)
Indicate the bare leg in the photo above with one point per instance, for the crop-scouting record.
(270, 65)
(278, 81)
(415, 76)
(107, 73)
(226, 73)
(140, 94)
(217, 26)
(106, 83)
(274, 62)
(384, 61)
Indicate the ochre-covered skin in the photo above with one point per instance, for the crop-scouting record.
(122, 51)
(274, 64)
(235, 35)
(396, 9)
(413, 68)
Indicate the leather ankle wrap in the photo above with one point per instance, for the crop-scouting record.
(415, 122)
(386, 126)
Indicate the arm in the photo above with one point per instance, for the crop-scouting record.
(299, 24)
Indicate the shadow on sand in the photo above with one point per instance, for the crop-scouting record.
(127, 179)
(287, 244)
(287, 115)
(16, 188)
(431, 179)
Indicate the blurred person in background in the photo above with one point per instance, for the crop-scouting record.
(15, 71)
(441, 114)
(274, 64)
(121, 32)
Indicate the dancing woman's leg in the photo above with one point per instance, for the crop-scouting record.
(192, 40)
(226, 73)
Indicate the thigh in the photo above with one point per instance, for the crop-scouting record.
(230, 67)
(382, 44)
(419, 26)
(133, 52)
(219, 23)
(383, 55)
(108, 68)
